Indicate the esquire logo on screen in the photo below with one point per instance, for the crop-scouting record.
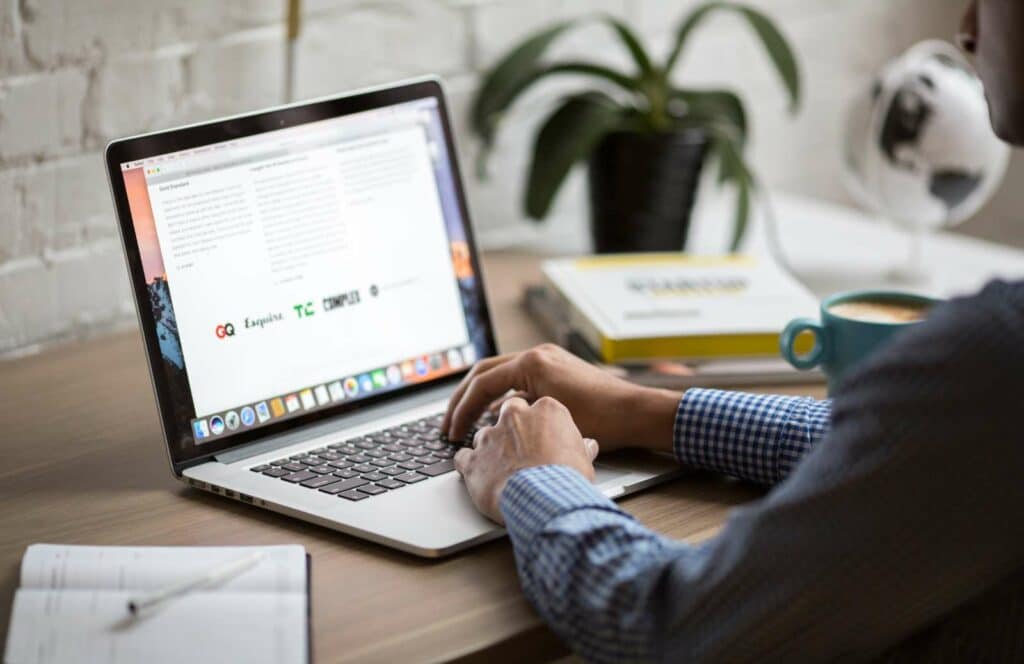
(226, 330)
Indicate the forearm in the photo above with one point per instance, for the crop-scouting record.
(760, 438)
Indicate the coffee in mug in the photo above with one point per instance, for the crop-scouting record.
(875, 311)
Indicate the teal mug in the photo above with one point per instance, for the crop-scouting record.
(853, 325)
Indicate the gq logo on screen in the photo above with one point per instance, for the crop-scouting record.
(225, 330)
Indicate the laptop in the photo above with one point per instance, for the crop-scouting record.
(309, 295)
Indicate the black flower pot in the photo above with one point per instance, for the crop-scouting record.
(642, 188)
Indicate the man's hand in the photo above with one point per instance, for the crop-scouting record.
(525, 436)
(609, 409)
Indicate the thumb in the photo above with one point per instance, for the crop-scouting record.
(592, 448)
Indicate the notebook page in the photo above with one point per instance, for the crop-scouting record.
(54, 627)
(58, 566)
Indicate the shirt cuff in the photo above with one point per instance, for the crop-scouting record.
(534, 497)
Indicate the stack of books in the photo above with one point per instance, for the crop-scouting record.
(674, 320)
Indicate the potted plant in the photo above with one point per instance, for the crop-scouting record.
(646, 140)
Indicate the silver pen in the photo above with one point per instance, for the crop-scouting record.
(219, 573)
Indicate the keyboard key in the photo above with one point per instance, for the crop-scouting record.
(344, 485)
(276, 472)
(279, 462)
(412, 442)
(374, 477)
(311, 461)
(293, 467)
(357, 458)
(382, 463)
(322, 470)
(260, 468)
(375, 454)
(428, 460)
(318, 450)
(434, 446)
(417, 452)
(438, 468)
(390, 484)
(296, 457)
(340, 465)
(336, 446)
(446, 453)
(392, 471)
(329, 456)
(400, 457)
(391, 448)
(363, 468)
(372, 489)
(300, 476)
(354, 495)
(346, 473)
(410, 465)
(366, 445)
(411, 478)
(319, 481)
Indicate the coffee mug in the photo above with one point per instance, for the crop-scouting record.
(843, 341)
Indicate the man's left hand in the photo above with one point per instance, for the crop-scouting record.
(525, 436)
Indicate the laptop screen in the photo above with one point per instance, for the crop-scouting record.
(296, 270)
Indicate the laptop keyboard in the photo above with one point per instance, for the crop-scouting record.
(370, 465)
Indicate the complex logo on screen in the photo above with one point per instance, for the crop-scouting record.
(342, 300)
(225, 330)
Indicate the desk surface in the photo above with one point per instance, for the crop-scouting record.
(83, 464)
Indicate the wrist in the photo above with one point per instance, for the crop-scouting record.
(650, 418)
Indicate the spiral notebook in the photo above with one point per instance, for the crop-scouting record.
(72, 606)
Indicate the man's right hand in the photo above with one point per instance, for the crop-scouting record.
(608, 409)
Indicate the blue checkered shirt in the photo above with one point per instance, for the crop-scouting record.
(895, 526)
(760, 438)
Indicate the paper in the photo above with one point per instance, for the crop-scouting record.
(71, 606)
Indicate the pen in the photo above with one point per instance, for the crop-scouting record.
(219, 573)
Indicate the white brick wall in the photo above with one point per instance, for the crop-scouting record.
(74, 74)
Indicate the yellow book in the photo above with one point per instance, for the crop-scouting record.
(639, 307)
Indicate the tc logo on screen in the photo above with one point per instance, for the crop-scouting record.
(225, 330)
(304, 310)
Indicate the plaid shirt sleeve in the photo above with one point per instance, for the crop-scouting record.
(755, 437)
(585, 564)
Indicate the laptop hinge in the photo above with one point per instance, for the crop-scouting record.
(347, 421)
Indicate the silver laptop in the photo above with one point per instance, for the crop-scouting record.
(310, 295)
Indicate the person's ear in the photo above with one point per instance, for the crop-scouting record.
(967, 38)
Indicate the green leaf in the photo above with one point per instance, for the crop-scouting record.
(739, 229)
(775, 44)
(717, 107)
(636, 49)
(509, 78)
(735, 171)
(494, 107)
(569, 136)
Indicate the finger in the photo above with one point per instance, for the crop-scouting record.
(511, 404)
(462, 458)
(479, 437)
(481, 366)
(593, 449)
(495, 406)
(482, 390)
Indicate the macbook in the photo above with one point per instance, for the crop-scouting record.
(309, 295)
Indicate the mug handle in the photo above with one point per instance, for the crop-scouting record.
(788, 340)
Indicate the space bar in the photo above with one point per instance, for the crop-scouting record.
(439, 468)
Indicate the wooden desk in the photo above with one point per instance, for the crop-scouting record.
(82, 463)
